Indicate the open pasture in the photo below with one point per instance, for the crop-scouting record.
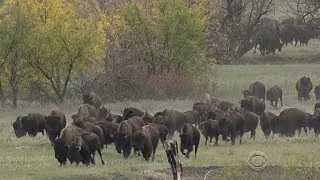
(33, 158)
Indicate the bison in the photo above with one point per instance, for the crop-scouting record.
(87, 110)
(316, 122)
(123, 139)
(189, 137)
(253, 104)
(108, 129)
(292, 119)
(232, 124)
(146, 141)
(54, 123)
(256, 89)
(273, 95)
(33, 123)
(209, 100)
(92, 99)
(91, 128)
(269, 122)
(250, 123)
(304, 86)
(172, 119)
(210, 128)
(192, 117)
(317, 93)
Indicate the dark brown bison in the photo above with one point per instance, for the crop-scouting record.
(273, 95)
(163, 131)
(317, 93)
(104, 114)
(123, 139)
(201, 107)
(91, 128)
(304, 86)
(250, 123)
(172, 119)
(256, 89)
(253, 104)
(33, 123)
(81, 146)
(269, 122)
(146, 141)
(316, 122)
(131, 111)
(54, 123)
(87, 110)
(210, 129)
(108, 129)
(92, 99)
(189, 137)
(292, 119)
(232, 124)
(17, 127)
(192, 117)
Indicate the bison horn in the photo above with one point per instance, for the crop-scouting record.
(78, 148)
(110, 134)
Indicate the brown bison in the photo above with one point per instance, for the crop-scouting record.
(250, 123)
(253, 104)
(172, 119)
(256, 89)
(189, 137)
(17, 127)
(201, 107)
(84, 119)
(192, 117)
(163, 131)
(209, 100)
(81, 146)
(317, 93)
(316, 122)
(232, 124)
(91, 128)
(92, 99)
(304, 86)
(33, 123)
(54, 123)
(225, 105)
(146, 141)
(131, 111)
(108, 129)
(269, 122)
(123, 139)
(273, 95)
(210, 129)
(292, 119)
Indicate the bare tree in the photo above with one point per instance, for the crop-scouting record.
(232, 27)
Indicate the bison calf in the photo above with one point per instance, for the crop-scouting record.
(189, 137)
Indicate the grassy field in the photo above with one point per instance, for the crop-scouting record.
(288, 158)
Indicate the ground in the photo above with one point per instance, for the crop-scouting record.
(287, 158)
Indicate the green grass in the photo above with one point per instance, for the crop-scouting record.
(33, 158)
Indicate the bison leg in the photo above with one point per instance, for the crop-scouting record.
(253, 134)
(276, 104)
(205, 143)
(216, 137)
(99, 152)
(210, 139)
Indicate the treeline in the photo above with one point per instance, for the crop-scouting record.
(55, 50)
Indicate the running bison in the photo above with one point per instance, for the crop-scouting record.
(210, 129)
(146, 141)
(273, 95)
(304, 86)
(189, 137)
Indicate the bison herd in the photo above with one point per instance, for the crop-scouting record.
(94, 126)
(272, 34)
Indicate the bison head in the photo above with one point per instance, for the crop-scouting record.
(120, 140)
(265, 125)
(244, 103)
(138, 140)
(60, 151)
(75, 116)
(87, 97)
(53, 127)
(17, 127)
(103, 113)
(79, 152)
(130, 112)
(305, 81)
